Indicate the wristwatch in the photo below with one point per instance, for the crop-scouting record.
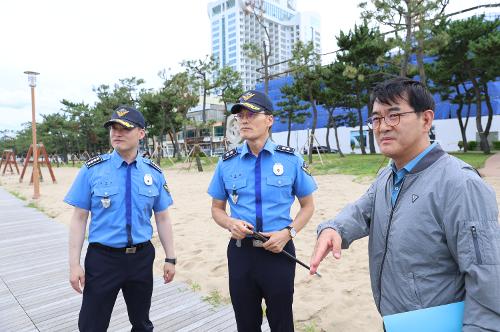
(171, 260)
(292, 231)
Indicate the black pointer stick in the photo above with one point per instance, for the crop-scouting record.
(262, 238)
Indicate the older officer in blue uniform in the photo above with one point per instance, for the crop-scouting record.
(120, 190)
(260, 180)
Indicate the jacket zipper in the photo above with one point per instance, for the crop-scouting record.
(476, 244)
(386, 244)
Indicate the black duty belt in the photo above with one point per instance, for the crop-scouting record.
(128, 250)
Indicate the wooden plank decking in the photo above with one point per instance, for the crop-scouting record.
(35, 294)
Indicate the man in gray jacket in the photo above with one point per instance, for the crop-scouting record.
(432, 222)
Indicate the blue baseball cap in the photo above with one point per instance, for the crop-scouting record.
(126, 116)
(254, 101)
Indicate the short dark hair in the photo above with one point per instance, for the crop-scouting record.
(394, 89)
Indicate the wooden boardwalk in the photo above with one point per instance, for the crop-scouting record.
(35, 294)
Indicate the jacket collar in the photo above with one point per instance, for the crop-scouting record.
(430, 158)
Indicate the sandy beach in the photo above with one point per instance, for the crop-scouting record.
(339, 301)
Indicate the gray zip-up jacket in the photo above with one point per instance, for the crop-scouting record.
(439, 244)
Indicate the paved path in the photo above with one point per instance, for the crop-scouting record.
(491, 166)
(35, 294)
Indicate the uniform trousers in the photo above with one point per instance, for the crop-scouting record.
(256, 274)
(106, 272)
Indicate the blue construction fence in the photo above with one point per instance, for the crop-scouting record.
(444, 109)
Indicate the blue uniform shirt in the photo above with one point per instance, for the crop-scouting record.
(132, 192)
(261, 190)
(399, 175)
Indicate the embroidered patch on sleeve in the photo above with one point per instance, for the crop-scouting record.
(305, 168)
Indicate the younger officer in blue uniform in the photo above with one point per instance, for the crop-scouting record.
(260, 180)
(119, 190)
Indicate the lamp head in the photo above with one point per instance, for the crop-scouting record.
(32, 77)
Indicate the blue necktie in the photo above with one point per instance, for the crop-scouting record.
(128, 204)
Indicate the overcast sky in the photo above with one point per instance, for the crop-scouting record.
(79, 44)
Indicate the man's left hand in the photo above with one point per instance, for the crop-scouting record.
(277, 240)
(168, 272)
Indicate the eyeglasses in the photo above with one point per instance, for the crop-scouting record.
(249, 115)
(390, 119)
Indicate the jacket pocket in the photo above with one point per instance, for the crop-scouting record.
(105, 191)
(231, 184)
(278, 188)
(234, 188)
(147, 197)
(105, 198)
(414, 294)
(484, 242)
(475, 241)
(150, 191)
(279, 181)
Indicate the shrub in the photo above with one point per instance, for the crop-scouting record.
(496, 145)
(472, 145)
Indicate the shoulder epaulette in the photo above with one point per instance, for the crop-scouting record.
(286, 149)
(152, 164)
(229, 154)
(94, 161)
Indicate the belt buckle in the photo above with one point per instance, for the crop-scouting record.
(257, 243)
(130, 250)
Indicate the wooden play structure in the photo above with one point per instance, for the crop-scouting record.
(9, 158)
(43, 160)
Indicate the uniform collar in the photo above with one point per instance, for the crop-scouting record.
(117, 160)
(269, 146)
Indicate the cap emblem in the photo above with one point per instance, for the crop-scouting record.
(247, 96)
(121, 112)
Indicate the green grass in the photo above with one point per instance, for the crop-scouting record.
(207, 163)
(32, 205)
(368, 165)
(195, 287)
(17, 194)
(352, 164)
(216, 299)
(309, 327)
(475, 159)
(78, 164)
(36, 206)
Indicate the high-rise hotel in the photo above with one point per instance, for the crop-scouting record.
(234, 24)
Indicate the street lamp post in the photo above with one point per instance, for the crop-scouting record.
(36, 179)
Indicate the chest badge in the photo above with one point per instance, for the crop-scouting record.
(278, 169)
(148, 179)
(234, 196)
(106, 202)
